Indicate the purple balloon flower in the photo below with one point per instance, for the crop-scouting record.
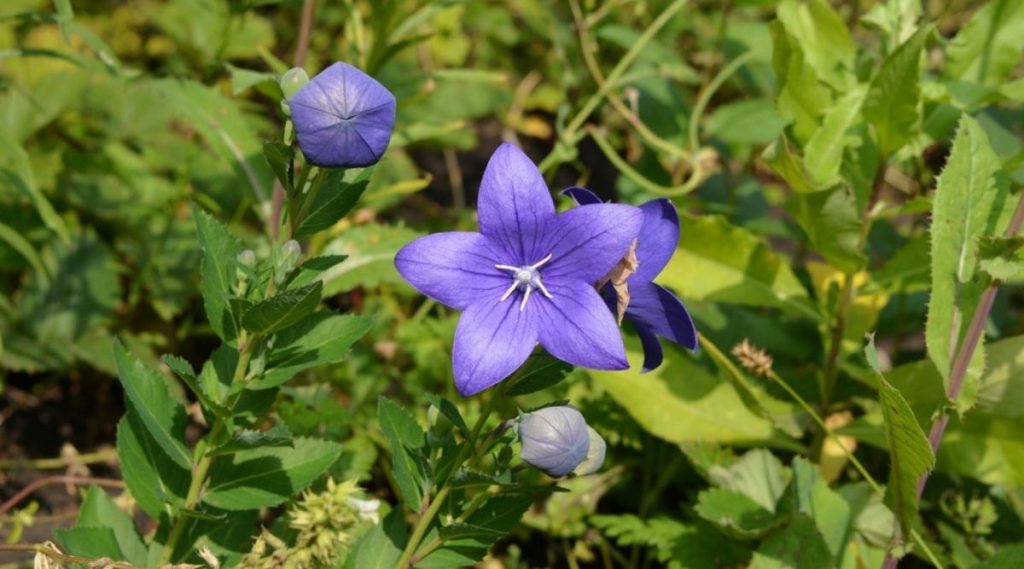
(343, 118)
(527, 277)
(554, 439)
(653, 310)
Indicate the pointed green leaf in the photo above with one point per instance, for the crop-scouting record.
(988, 48)
(972, 201)
(737, 514)
(823, 153)
(322, 338)
(1002, 258)
(406, 439)
(267, 476)
(279, 156)
(910, 455)
(758, 475)
(830, 512)
(825, 40)
(540, 371)
(147, 396)
(155, 481)
(313, 269)
(894, 96)
(220, 259)
(184, 370)
(382, 546)
(334, 200)
(283, 309)
(801, 98)
(99, 510)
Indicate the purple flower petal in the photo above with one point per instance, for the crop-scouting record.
(587, 242)
(653, 307)
(343, 117)
(492, 340)
(514, 204)
(653, 354)
(456, 268)
(576, 326)
(581, 196)
(658, 239)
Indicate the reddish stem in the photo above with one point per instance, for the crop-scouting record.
(59, 479)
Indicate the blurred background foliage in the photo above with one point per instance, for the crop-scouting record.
(116, 116)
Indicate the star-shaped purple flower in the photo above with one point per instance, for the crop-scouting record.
(527, 277)
(343, 118)
(653, 310)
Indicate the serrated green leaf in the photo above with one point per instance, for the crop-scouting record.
(735, 267)
(184, 370)
(541, 371)
(337, 197)
(245, 439)
(988, 48)
(283, 309)
(406, 438)
(972, 200)
(320, 339)
(1001, 392)
(824, 37)
(494, 519)
(89, 542)
(313, 269)
(801, 98)
(157, 483)
(799, 545)
(1008, 556)
(147, 396)
(910, 455)
(897, 19)
(220, 260)
(893, 100)
(99, 510)
(267, 476)
(1002, 258)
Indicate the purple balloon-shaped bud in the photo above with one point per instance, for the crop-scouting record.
(554, 439)
(343, 118)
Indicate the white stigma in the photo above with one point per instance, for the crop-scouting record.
(526, 278)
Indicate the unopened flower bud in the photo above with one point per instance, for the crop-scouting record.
(293, 80)
(291, 250)
(595, 455)
(554, 439)
(247, 258)
(343, 118)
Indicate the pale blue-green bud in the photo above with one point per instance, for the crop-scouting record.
(595, 455)
(554, 439)
(293, 80)
(247, 258)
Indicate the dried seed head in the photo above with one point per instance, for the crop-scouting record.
(754, 359)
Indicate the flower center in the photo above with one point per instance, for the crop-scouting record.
(525, 278)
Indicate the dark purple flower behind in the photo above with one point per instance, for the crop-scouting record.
(343, 118)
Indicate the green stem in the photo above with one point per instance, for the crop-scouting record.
(570, 134)
(202, 468)
(423, 524)
(706, 93)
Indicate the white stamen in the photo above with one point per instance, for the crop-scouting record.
(509, 292)
(526, 278)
